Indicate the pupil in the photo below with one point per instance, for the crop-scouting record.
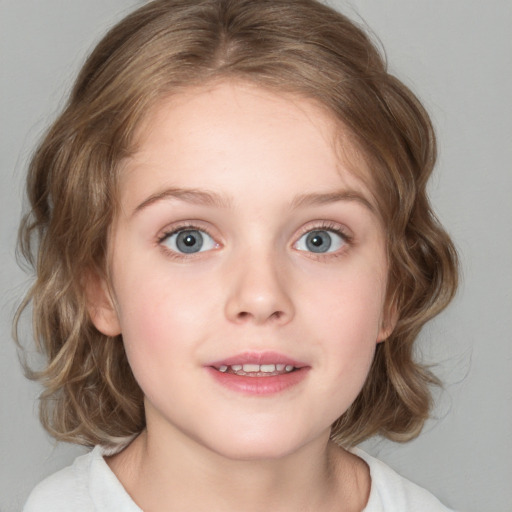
(189, 241)
(318, 241)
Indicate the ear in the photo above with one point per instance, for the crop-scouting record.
(388, 323)
(101, 306)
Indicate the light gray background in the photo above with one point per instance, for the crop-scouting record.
(457, 56)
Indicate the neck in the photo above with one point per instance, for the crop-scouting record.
(185, 476)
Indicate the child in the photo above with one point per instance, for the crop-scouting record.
(235, 253)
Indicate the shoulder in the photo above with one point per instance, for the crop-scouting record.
(64, 490)
(390, 492)
(87, 485)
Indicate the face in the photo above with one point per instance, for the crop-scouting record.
(248, 272)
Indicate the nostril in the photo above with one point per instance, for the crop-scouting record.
(276, 315)
(246, 306)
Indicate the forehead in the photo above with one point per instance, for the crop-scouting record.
(241, 134)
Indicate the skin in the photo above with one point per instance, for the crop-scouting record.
(256, 286)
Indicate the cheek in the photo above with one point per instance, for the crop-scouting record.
(349, 352)
(346, 315)
(162, 313)
(349, 302)
(156, 321)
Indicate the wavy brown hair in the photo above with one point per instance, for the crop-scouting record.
(297, 46)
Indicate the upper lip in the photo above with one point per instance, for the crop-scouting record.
(267, 357)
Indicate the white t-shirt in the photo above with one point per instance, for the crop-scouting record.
(88, 485)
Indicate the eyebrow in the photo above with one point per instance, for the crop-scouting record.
(318, 199)
(189, 195)
(208, 198)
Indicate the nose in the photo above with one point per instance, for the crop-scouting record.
(259, 292)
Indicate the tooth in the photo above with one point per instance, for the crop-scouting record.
(280, 367)
(250, 368)
(236, 367)
(223, 368)
(268, 368)
(289, 368)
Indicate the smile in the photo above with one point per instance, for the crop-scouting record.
(258, 373)
(257, 370)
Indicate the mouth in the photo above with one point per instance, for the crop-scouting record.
(258, 364)
(256, 370)
(258, 373)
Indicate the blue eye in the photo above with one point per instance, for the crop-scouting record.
(189, 241)
(320, 241)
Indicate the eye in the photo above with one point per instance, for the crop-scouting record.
(189, 241)
(321, 241)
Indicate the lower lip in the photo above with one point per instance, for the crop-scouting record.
(259, 385)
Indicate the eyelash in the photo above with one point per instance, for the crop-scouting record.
(176, 229)
(330, 227)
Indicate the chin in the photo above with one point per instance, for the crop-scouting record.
(261, 445)
(255, 453)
